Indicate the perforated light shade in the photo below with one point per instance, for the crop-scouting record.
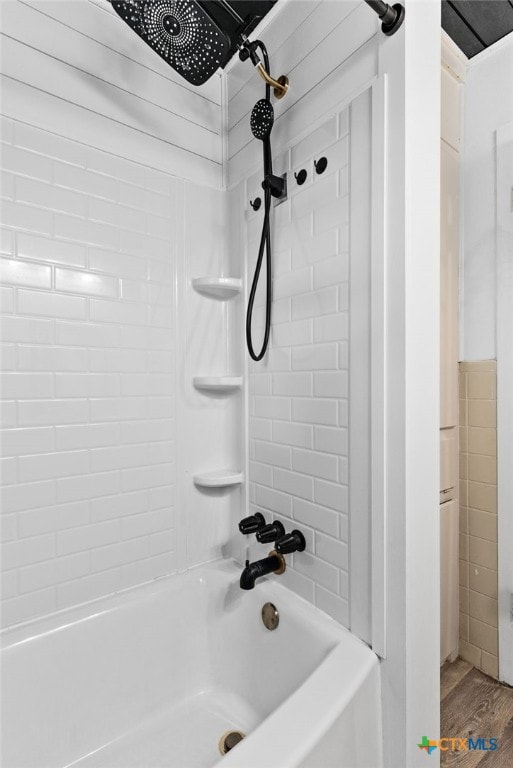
(181, 32)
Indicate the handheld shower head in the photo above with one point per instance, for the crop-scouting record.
(262, 119)
(181, 32)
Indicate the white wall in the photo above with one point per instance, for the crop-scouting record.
(88, 497)
(102, 332)
(74, 68)
(102, 427)
(209, 425)
(411, 62)
(488, 104)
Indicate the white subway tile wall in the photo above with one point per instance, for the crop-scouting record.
(298, 426)
(88, 373)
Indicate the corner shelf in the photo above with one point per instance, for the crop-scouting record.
(218, 287)
(221, 384)
(218, 478)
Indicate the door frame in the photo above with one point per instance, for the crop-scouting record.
(504, 246)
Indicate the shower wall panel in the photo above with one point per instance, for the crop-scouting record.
(305, 420)
(102, 334)
(108, 162)
(74, 68)
(309, 399)
(208, 422)
(88, 267)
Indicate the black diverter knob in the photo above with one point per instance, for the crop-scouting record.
(252, 524)
(270, 532)
(291, 542)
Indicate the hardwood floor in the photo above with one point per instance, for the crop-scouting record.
(475, 706)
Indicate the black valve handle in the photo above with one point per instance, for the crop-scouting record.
(270, 532)
(252, 524)
(291, 542)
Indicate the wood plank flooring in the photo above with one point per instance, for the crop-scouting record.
(475, 706)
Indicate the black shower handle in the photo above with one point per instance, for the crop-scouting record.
(252, 524)
(270, 532)
(291, 542)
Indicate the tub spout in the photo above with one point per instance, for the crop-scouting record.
(273, 563)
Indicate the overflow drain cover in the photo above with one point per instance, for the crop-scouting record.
(270, 616)
(230, 740)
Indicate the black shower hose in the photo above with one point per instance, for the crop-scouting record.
(265, 247)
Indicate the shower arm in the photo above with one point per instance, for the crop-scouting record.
(247, 50)
(279, 86)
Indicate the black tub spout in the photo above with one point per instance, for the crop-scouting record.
(273, 563)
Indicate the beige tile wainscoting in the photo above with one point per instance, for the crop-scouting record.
(478, 515)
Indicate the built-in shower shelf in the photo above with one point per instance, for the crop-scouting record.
(219, 478)
(218, 287)
(221, 384)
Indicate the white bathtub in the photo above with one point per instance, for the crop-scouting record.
(154, 676)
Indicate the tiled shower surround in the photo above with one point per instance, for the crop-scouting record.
(478, 515)
(299, 408)
(88, 354)
(100, 350)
